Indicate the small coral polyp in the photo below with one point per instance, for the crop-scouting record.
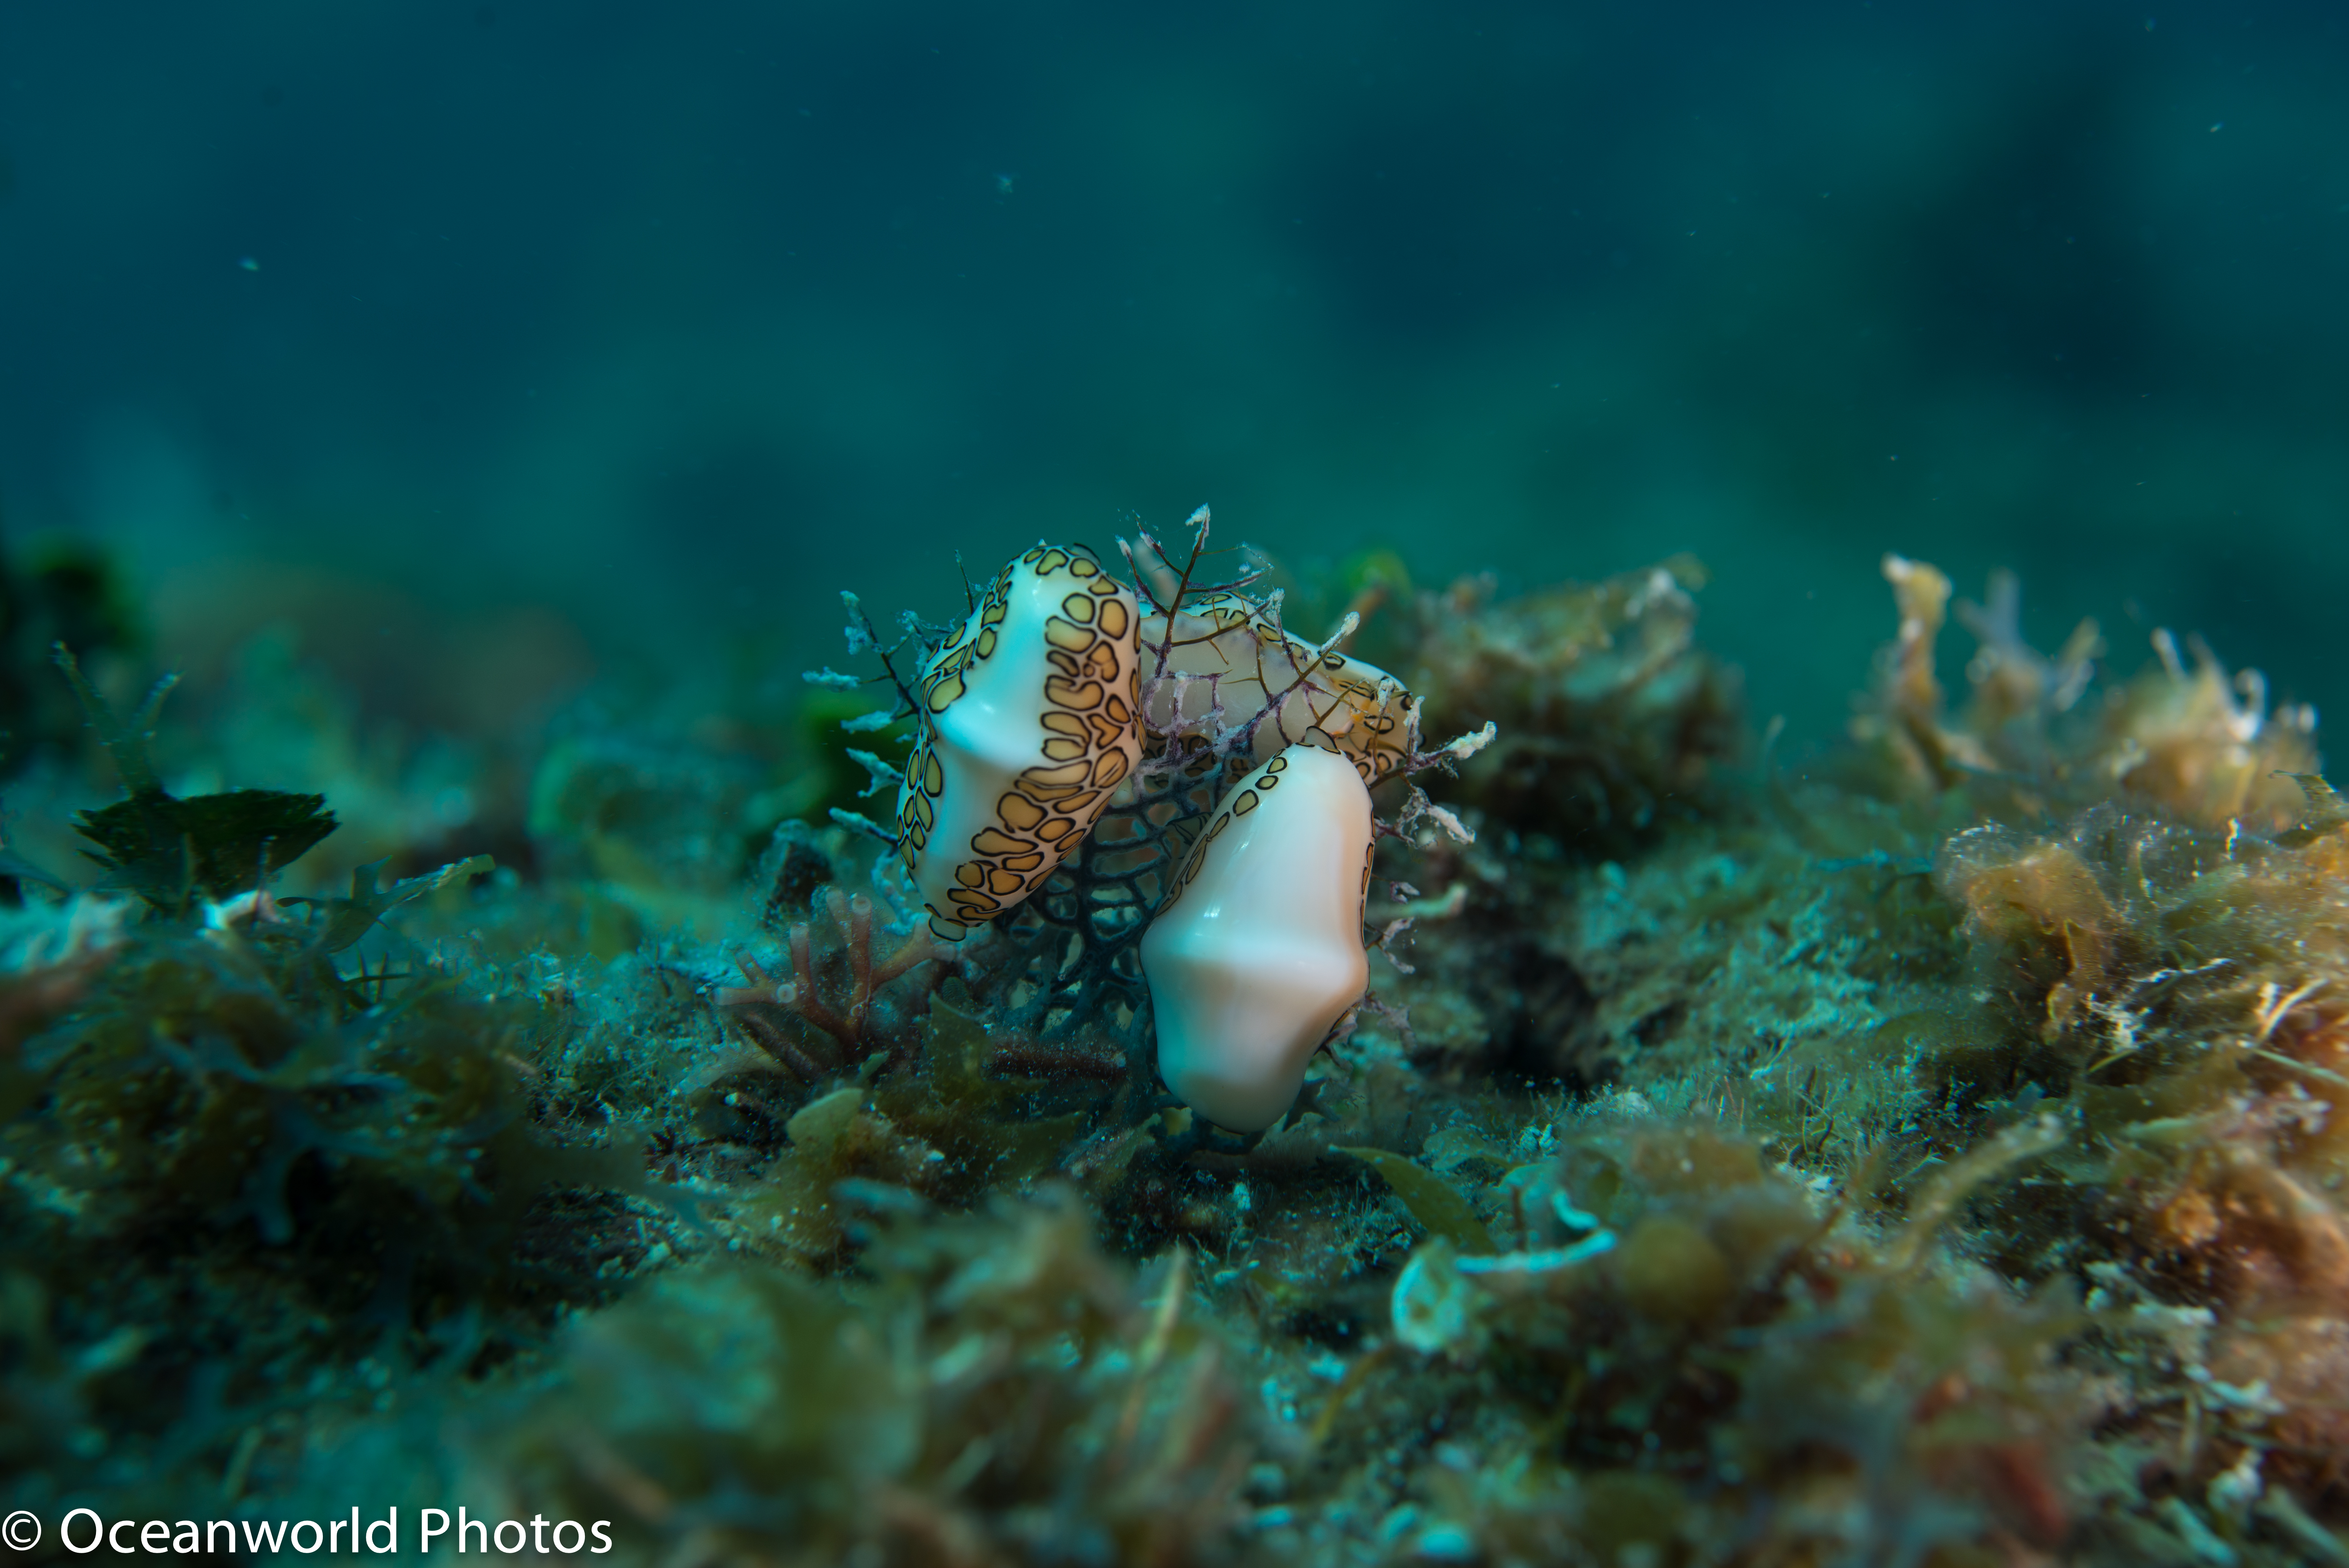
(1258, 952)
(1028, 722)
(1225, 650)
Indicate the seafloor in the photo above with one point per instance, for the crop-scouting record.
(1916, 1153)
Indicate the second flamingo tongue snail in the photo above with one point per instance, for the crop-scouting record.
(1257, 949)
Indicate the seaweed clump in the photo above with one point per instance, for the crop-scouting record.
(2112, 914)
(1685, 1355)
(2191, 741)
(2184, 993)
(254, 1150)
(1611, 720)
(992, 1390)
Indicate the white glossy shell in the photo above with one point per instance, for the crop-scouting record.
(1259, 949)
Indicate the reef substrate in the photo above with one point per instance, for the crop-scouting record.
(1927, 1151)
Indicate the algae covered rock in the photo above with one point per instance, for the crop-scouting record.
(1684, 1354)
(2181, 990)
(2197, 744)
(996, 1392)
(1610, 716)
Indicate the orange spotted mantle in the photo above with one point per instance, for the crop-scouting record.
(1028, 719)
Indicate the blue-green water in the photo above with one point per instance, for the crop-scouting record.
(674, 320)
(483, 403)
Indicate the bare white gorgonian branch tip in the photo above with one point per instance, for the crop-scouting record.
(859, 822)
(1346, 628)
(1460, 748)
(883, 775)
(859, 630)
(1462, 834)
(1385, 942)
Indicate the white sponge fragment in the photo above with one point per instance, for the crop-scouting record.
(1258, 949)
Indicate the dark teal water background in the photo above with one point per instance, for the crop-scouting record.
(678, 317)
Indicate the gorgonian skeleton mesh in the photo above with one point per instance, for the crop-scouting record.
(1065, 962)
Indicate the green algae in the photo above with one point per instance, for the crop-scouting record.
(171, 851)
(1434, 1204)
(994, 1390)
